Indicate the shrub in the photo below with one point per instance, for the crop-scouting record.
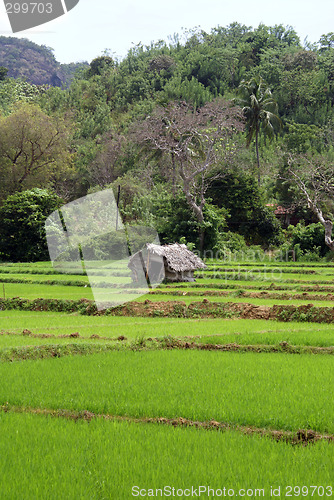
(173, 219)
(22, 219)
(305, 243)
(310, 238)
(241, 196)
(230, 242)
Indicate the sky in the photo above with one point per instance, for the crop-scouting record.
(93, 26)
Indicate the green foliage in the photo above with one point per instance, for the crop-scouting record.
(54, 100)
(130, 188)
(89, 101)
(14, 91)
(191, 91)
(169, 214)
(100, 64)
(188, 383)
(286, 192)
(105, 98)
(229, 243)
(264, 229)
(215, 224)
(241, 196)
(307, 241)
(173, 219)
(68, 72)
(3, 72)
(302, 138)
(33, 149)
(22, 218)
(260, 110)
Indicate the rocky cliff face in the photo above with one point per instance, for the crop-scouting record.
(34, 63)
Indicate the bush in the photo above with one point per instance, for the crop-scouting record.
(170, 215)
(230, 243)
(311, 256)
(305, 243)
(310, 237)
(241, 196)
(22, 219)
(173, 219)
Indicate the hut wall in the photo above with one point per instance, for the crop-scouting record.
(172, 275)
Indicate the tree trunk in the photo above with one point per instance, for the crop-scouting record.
(173, 174)
(257, 156)
(197, 211)
(328, 234)
(328, 224)
(201, 232)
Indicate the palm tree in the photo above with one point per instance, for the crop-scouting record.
(260, 110)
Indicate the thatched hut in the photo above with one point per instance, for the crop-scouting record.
(171, 262)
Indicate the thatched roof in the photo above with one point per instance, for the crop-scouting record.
(178, 257)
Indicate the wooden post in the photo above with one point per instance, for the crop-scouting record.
(144, 269)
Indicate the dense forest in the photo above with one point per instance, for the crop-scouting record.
(220, 140)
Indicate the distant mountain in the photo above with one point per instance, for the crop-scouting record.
(35, 63)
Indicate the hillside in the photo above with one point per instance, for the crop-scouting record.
(34, 63)
(152, 122)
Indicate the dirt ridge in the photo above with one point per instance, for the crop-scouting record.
(300, 437)
(46, 351)
(179, 309)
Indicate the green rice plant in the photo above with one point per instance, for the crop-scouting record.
(265, 275)
(57, 292)
(13, 341)
(276, 269)
(269, 263)
(271, 338)
(276, 391)
(57, 458)
(214, 330)
(188, 299)
(58, 279)
(35, 291)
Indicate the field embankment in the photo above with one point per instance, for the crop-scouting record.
(236, 365)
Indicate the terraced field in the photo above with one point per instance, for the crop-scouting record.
(222, 383)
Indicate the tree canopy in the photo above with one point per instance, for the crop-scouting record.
(33, 148)
(146, 122)
(22, 218)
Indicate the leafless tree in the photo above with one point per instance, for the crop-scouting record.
(314, 178)
(108, 164)
(194, 141)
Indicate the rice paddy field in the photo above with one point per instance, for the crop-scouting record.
(218, 388)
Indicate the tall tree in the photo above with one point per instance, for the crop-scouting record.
(193, 141)
(33, 149)
(260, 110)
